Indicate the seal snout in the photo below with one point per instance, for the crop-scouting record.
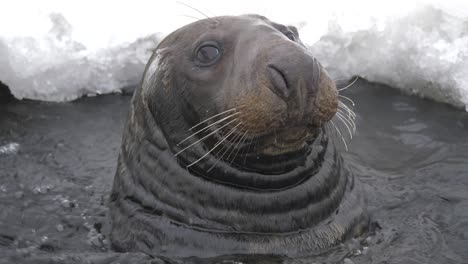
(294, 75)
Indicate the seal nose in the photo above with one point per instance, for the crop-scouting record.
(279, 81)
(295, 74)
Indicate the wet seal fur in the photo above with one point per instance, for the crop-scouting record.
(224, 150)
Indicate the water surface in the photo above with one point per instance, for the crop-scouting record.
(58, 159)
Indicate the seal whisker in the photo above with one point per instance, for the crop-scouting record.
(207, 127)
(340, 79)
(189, 16)
(248, 149)
(193, 8)
(331, 132)
(346, 114)
(208, 119)
(347, 98)
(327, 129)
(203, 138)
(238, 143)
(230, 145)
(345, 107)
(215, 146)
(244, 152)
(227, 147)
(250, 145)
(237, 151)
(349, 85)
(349, 120)
(336, 136)
(342, 138)
(345, 123)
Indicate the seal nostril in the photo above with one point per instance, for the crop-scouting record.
(279, 81)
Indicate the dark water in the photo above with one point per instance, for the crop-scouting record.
(411, 154)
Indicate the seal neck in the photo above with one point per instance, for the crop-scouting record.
(236, 201)
(279, 173)
(232, 200)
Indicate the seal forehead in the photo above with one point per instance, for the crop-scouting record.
(241, 23)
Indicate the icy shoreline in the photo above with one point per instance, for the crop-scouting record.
(424, 53)
(422, 50)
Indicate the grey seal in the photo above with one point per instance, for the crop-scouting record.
(225, 151)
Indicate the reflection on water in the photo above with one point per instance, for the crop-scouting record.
(10, 148)
(410, 154)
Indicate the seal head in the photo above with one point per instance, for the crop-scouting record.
(225, 152)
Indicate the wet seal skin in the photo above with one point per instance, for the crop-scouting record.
(225, 151)
(5, 94)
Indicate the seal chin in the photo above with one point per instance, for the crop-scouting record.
(287, 140)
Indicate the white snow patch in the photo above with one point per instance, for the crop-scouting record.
(59, 50)
(423, 53)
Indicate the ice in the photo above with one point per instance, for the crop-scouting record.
(60, 50)
(423, 53)
(55, 67)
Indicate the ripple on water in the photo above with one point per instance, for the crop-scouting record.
(409, 154)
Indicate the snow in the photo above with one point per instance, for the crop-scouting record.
(57, 50)
(423, 53)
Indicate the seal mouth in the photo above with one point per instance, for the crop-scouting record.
(276, 142)
(287, 140)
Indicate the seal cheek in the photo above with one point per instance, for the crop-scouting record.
(261, 111)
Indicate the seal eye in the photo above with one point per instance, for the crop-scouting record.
(290, 35)
(208, 54)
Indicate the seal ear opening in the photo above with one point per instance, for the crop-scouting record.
(5, 94)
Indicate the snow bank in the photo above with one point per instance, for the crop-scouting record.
(424, 53)
(60, 50)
